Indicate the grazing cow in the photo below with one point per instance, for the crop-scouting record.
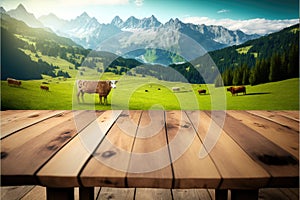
(236, 90)
(44, 87)
(202, 91)
(12, 82)
(100, 87)
(158, 88)
(146, 91)
(176, 89)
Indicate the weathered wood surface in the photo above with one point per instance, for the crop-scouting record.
(62, 170)
(109, 164)
(282, 166)
(189, 170)
(284, 137)
(104, 193)
(150, 160)
(22, 161)
(17, 120)
(237, 169)
(253, 149)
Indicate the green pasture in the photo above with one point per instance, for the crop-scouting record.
(144, 93)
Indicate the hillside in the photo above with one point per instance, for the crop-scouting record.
(167, 41)
(262, 48)
(30, 53)
(269, 58)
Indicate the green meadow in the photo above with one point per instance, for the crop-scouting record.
(145, 93)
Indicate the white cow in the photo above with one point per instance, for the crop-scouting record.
(100, 87)
(176, 89)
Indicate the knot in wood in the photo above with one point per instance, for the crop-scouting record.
(107, 154)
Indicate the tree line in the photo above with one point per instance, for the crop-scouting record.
(277, 67)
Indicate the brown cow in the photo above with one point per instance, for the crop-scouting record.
(202, 91)
(44, 87)
(236, 90)
(12, 82)
(100, 87)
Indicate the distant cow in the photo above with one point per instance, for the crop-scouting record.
(12, 82)
(176, 89)
(236, 90)
(100, 87)
(146, 91)
(202, 91)
(44, 87)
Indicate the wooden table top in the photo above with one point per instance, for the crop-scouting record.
(160, 149)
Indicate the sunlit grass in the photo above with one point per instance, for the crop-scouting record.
(150, 93)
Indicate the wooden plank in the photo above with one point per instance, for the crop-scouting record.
(25, 135)
(237, 169)
(9, 115)
(201, 194)
(13, 123)
(291, 114)
(286, 138)
(63, 169)
(189, 170)
(282, 166)
(272, 193)
(270, 115)
(150, 161)
(290, 193)
(116, 193)
(14, 192)
(38, 192)
(20, 164)
(151, 193)
(109, 163)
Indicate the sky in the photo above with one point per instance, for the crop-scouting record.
(250, 16)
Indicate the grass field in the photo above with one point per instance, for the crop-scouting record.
(131, 94)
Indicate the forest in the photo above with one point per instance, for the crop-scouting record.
(269, 58)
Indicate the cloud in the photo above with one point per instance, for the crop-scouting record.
(223, 11)
(139, 2)
(259, 26)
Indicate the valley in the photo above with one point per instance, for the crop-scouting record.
(149, 59)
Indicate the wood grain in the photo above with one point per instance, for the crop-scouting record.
(282, 166)
(63, 169)
(109, 163)
(284, 121)
(29, 133)
(18, 165)
(150, 161)
(284, 137)
(291, 114)
(150, 194)
(189, 170)
(22, 120)
(116, 193)
(202, 194)
(237, 169)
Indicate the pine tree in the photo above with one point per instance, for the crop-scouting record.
(293, 63)
(275, 68)
(246, 72)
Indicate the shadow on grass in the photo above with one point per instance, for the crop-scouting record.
(258, 93)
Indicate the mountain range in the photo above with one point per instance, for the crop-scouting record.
(124, 37)
(30, 53)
